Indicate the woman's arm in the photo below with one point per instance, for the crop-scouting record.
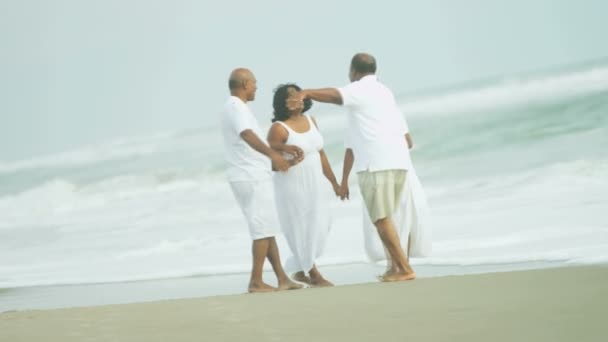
(329, 173)
(277, 138)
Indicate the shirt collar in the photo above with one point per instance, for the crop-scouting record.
(369, 78)
(236, 98)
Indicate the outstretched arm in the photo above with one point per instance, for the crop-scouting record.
(252, 139)
(325, 95)
(329, 173)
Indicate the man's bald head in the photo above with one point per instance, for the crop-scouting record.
(242, 84)
(238, 77)
(363, 63)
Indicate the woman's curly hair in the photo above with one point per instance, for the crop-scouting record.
(279, 103)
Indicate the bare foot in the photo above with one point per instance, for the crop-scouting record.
(260, 287)
(320, 282)
(390, 271)
(381, 277)
(398, 277)
(287, 284)
(301, 277)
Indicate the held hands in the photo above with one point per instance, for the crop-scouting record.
(336, 189)
(342, 191)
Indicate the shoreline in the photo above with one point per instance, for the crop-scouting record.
(559, 304)
(97, 294)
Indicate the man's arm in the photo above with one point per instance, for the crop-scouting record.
(349, 159)
(325, 95)
(295, 151)
(410, 142)
(252, 139)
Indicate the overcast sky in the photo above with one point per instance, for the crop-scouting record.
(81, 72)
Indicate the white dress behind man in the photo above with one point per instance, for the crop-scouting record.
(412, 220)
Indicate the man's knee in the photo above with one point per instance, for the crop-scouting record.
(382, 223)
(261, 242)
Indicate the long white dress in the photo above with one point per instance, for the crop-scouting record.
(303, 197)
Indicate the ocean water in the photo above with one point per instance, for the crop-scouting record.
(516, 170)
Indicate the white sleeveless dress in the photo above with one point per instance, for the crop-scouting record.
(302, 197)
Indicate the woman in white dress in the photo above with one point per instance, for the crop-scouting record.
(303, 193)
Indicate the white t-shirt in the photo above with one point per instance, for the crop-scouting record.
(377, 127)
(244, 163)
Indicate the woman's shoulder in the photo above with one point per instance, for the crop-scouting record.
(279, 126)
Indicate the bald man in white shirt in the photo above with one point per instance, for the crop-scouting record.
(249, 161)
(378, 145)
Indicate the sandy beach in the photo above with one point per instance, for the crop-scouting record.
(561, 304)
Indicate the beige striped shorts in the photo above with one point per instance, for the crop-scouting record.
(381, 191)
